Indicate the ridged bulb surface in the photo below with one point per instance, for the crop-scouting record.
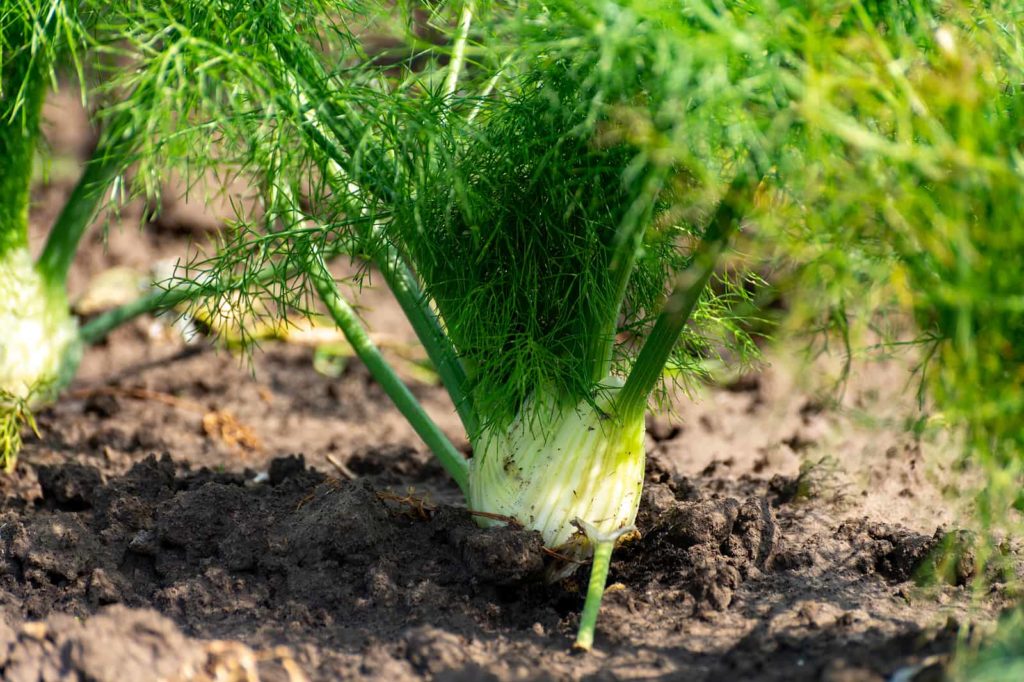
(39, 344)
(546, 473)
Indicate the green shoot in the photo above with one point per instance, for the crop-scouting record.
(595, 593)
(603, 547)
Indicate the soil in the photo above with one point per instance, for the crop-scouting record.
(187, 514)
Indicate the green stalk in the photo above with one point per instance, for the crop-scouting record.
(624, 255)
(345, 317)
(308, 76)
(23, 81)
(686, 291)
(595, 592)
(428, 330)
(97, 329)
(80, 209)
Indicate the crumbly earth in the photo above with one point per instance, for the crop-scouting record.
(188, 516)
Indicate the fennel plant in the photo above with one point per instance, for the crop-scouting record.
(145, 120)
(39, 346)
(547, 191)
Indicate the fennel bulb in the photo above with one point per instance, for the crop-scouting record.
(39, 343)
(551, 469)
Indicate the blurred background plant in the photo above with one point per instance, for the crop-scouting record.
(44, 43)
(907, 199)
(143, 98)
(901, 224)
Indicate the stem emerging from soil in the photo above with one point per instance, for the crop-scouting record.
(595, 592)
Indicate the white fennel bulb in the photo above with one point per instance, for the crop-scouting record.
(548, 473)
(39, 344)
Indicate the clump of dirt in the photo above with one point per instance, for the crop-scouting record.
(68, 487)
(118, 643)
(708, 546)
(500, 555)
(900, 554)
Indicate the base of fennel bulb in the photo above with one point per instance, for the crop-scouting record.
(550, 471)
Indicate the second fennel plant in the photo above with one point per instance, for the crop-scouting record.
(144, 115)
(40, 341)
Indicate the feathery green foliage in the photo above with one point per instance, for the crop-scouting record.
(545, 221)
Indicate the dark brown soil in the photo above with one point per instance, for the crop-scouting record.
(185, 516)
